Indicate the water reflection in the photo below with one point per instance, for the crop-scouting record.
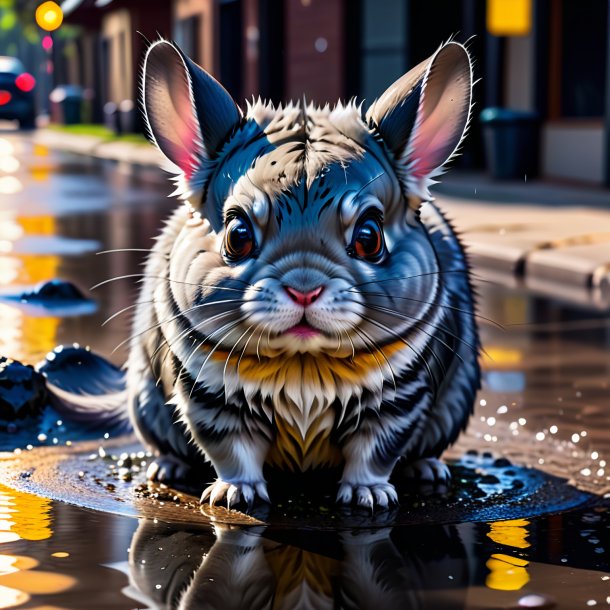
(171, 567)
(25, 517)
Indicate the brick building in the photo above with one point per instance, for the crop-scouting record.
(329, 49)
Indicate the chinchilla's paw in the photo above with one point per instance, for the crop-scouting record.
(168, 469)
(378, 495)
(428, 470)
(235, 492)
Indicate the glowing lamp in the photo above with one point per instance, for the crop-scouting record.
(49, 16)
(47, 43)
(25, 82)
(5, 97)
(509, 17)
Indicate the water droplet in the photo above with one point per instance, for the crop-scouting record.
(536, 601)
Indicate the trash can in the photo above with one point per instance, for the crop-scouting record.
(112, 118)
(66, 104)
(128, 117)
(511, 139)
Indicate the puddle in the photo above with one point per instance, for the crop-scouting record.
(544, 407)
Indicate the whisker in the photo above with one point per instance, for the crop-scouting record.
(258, 343)
(410, 277)
(121, 311)
(124, 250)
(172, 281)
(185, 333)
(224, 370)
(378, 348)
(400, 315)
(174, 317)
(232, 326)
(450, 307)
(423, 360)
(243, 351)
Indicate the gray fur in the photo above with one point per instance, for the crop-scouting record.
(389, 370)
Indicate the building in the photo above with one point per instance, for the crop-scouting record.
(329, 49)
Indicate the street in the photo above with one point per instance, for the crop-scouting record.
(543, 403)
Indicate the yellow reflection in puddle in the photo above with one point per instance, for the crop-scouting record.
(9, 598)
(506, 573)
(25, 517)
(510, 533)
(26, 337)
(29, 516)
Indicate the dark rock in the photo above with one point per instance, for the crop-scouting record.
(23, 391)
(53, 291)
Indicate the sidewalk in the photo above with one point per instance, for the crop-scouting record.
(550, 238)
(547, 237)
(126, 152)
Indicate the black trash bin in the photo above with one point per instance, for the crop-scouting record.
(511, 142)
(111, 117)
(66, 104)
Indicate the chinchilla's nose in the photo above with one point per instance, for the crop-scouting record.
(304, 299)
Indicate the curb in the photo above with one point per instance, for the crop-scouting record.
(124, 152)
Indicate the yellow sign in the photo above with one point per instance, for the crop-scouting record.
(509, 17)
(49, 16)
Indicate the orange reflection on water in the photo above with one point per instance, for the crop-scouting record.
(26, 338)
(25, 517)
(506, 572)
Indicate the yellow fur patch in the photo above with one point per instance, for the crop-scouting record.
(302, 432)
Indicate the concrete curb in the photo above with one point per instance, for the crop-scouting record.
(125, 152)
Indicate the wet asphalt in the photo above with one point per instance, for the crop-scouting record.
(545, 404)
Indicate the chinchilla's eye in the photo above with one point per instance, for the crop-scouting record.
(367, 241)
(239, 239)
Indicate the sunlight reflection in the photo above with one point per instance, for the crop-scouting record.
(508, 573)
(6, 148)
(25, 517)
(9, 185)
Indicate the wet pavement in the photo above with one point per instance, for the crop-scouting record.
(545, 405)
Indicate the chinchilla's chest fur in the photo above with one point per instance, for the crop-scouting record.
(306, 306)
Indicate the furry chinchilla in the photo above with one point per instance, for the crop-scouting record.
(307, 306)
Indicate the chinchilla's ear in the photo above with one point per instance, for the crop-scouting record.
(422, 117)
(189, 113)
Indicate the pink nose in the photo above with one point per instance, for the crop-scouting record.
(304, 298)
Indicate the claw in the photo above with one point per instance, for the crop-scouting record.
(429, 470)
(234, 493)
(377, 495)
(233, 496)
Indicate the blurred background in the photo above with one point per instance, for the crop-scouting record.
(545, 60)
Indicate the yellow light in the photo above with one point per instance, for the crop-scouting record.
(506, 573)
(509, 17)
(49, 16)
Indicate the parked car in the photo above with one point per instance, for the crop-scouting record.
(16, 92)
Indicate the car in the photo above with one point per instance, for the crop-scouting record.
(16, 92)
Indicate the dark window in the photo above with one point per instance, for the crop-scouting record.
(383, 29)
(186, 34)
(231, 35)
(271, 49)
(583, 57)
